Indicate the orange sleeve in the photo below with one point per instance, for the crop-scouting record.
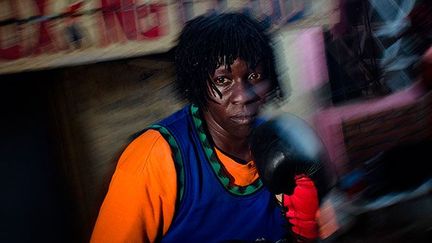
(140, 203)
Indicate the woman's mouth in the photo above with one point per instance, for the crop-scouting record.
(243, 119)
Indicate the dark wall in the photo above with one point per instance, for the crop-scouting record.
(62, 131)
(33, 203)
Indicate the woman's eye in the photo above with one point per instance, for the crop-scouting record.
(254, 76)
(222, 80)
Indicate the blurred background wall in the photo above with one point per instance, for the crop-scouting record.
(62, 131)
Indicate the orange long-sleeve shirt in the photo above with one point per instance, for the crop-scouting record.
(140, 203)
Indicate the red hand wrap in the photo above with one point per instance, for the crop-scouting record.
(302, 208)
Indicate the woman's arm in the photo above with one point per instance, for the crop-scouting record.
(140, 203)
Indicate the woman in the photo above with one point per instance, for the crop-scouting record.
(190, 177)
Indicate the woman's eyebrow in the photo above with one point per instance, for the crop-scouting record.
(223, 70)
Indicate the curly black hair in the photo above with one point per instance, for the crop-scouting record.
(210, 41)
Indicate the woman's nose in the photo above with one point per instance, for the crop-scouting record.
(244, 93)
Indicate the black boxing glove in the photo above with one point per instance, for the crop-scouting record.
(291, 159)
(285, 147)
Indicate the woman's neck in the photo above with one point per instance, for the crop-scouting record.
(235, 147)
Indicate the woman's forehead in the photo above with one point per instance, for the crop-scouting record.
(227, 63)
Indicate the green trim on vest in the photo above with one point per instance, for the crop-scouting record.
(178, 161)
(217, 165)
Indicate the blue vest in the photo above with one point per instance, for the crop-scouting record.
(211, 208)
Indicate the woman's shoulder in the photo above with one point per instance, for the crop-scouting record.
(145, 149)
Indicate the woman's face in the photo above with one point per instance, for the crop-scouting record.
(243, 91)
